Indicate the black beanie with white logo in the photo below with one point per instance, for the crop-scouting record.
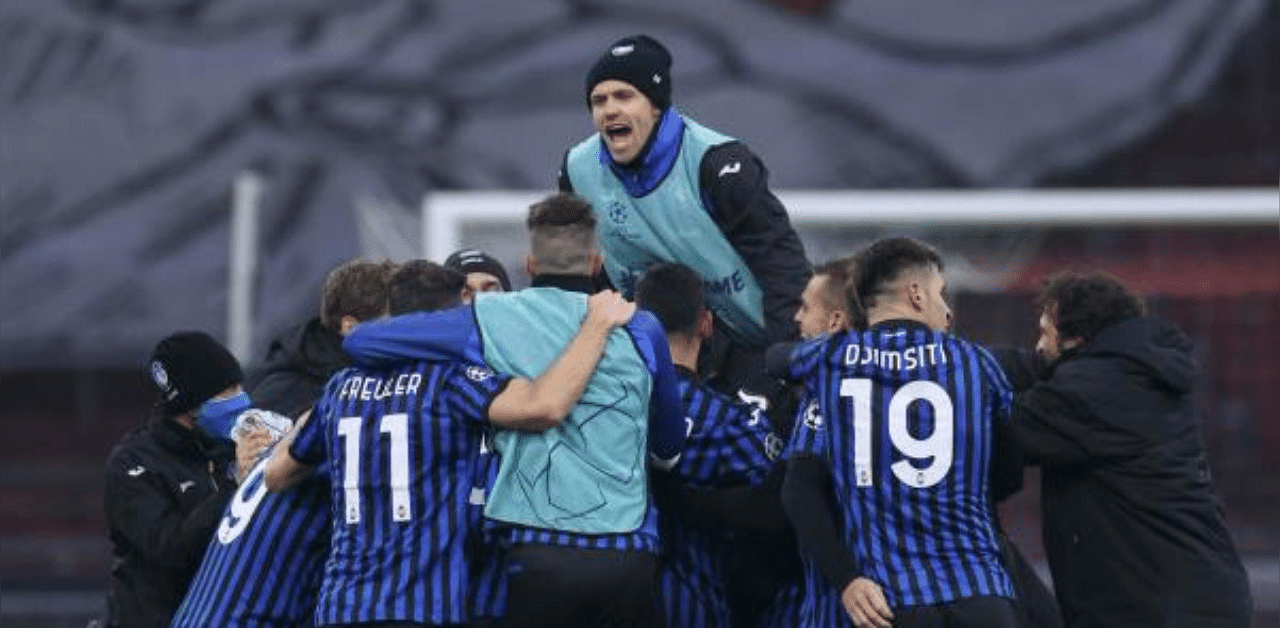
(640, 61)
(190, 368)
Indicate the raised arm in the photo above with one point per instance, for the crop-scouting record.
(445, 336)
(284, 469)
(544, 402)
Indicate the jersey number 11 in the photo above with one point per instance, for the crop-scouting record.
(396, 426)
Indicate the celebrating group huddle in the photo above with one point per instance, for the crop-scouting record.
(698, 449)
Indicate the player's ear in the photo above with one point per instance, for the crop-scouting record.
(596, 262)
(915, 293)
(706, 324)
(530, 265)
(347, 323)
(837, 322)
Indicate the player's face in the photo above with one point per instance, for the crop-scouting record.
(480, 282)
(624, 117)
(814, 316)
(483, 282)
(937, 311)
(1049, 346)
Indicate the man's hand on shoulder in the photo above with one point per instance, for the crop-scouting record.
(608, 309)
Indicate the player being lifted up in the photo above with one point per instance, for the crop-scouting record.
(903, 431)
(401, 442)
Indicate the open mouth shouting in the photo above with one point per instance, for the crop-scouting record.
(624, 118)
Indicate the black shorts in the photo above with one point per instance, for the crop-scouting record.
(970, 612)
(551, 586)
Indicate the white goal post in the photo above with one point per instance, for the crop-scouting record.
(445, 214)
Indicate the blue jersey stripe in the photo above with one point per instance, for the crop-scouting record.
(729, 443)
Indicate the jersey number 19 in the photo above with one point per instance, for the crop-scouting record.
(936, 448)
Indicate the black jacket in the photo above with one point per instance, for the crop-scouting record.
(1134, 533)
(166, 487)
(298, 364)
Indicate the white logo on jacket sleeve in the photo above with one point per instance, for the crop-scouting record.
(733, 168)
(185, 486)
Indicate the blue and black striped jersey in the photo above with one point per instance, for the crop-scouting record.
(820, 603)
(643, 539)
(728, 443)
(905, 419)
(402, 445)
(692, 577)
(489, 571)
(265, 560)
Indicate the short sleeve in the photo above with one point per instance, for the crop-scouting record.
(810, 434)
(471, 390)
(308, 446)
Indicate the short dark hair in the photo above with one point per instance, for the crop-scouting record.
(422, 285)
(1082, 304)
(675, 294)
(839, 291)
(358, 289)
(884, 261)
(562, 233)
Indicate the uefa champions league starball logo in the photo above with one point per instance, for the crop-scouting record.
(812, 416)
(617, 212)
(478, 374)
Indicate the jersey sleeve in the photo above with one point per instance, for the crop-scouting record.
(308, 447)
(471, 390)
(809, 437)
(666, 413)
(450, 335)
(729, 442)
(1000, 388)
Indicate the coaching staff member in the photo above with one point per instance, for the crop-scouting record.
(668, 189)
(168, 481)
(1133, 531)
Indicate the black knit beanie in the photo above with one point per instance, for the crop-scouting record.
(639, 60)
(189, 368)
(474, 261)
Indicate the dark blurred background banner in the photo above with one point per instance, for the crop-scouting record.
(125, 123)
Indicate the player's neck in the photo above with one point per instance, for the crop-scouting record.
(892, 312)
(684, 350)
